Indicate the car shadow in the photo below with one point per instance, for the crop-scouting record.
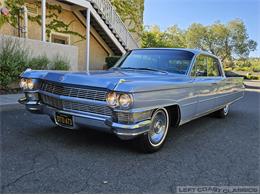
(82, 137)
(89, 138)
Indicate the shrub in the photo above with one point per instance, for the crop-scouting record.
(59, 63)
(252, 77)
(13, 59)
(39, 63)
(228, 69)
(233, 74)
(242, 69)
(111, 61)
(256, 68)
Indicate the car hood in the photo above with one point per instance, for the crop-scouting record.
(119, 80)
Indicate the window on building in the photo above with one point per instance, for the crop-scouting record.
(59, 38)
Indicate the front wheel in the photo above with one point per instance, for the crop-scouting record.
(154, 139)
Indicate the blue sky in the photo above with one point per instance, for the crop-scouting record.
(165, 13)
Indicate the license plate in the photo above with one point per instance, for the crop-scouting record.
(64, 119)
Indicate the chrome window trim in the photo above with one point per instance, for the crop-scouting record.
(220, 67)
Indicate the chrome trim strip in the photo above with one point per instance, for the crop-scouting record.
(130, 134)
(219, 96)
(131, 127)
(209, 111)
(189, 104)
(78, 113)
(86, 115)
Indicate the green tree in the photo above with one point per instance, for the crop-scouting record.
(175, 37)
(196, 36)
(131, 12)
(153, 37)
(227, 41)
(240, 43)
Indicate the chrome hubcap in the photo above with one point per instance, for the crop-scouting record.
(226, 109)
(159, 128)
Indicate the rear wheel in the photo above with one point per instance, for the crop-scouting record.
(222, 113)
(154, 139)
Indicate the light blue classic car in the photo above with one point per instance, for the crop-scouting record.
(142, 96)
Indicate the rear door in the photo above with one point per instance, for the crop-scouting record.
(215, 71)
(206, 80)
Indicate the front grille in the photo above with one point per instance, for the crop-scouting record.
(103, 110)
(124, 117)
(85, 93)
(51, 101)
(75, 106)
(130, 118)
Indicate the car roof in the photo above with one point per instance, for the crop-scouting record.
(194, 51)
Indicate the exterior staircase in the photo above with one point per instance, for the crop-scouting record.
(109, 15)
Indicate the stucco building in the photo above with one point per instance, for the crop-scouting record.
(92, 27)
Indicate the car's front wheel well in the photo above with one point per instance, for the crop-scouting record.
(174, 114)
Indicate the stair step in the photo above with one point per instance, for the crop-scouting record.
(102, 32)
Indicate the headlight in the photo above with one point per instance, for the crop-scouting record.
(23, 83)
(28, 84)
(119, 100)
(125, 100)
(112, 99)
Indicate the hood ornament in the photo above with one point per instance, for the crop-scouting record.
(119, 82)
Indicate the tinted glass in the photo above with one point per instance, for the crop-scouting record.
(175, 61)
(206, 66)
(200, 67)
(213, 67)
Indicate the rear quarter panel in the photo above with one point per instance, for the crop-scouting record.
(230, 89)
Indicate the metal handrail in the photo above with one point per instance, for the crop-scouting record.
(112, 19)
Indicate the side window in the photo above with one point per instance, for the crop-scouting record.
(206, 66)
(213, 67)
(200, 67)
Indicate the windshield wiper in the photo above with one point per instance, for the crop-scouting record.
(149, 69)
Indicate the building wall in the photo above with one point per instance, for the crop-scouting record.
(50, 50)
(98, 48)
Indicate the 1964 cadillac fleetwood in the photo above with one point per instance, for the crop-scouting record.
(145, 93)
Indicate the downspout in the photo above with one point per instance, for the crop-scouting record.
(25, 18)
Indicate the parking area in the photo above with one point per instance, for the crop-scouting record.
(38, 157)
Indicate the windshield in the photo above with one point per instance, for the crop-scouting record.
(174, 61)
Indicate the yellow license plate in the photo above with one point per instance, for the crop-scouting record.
(64, 119)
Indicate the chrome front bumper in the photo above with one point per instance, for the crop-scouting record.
(95, 121)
